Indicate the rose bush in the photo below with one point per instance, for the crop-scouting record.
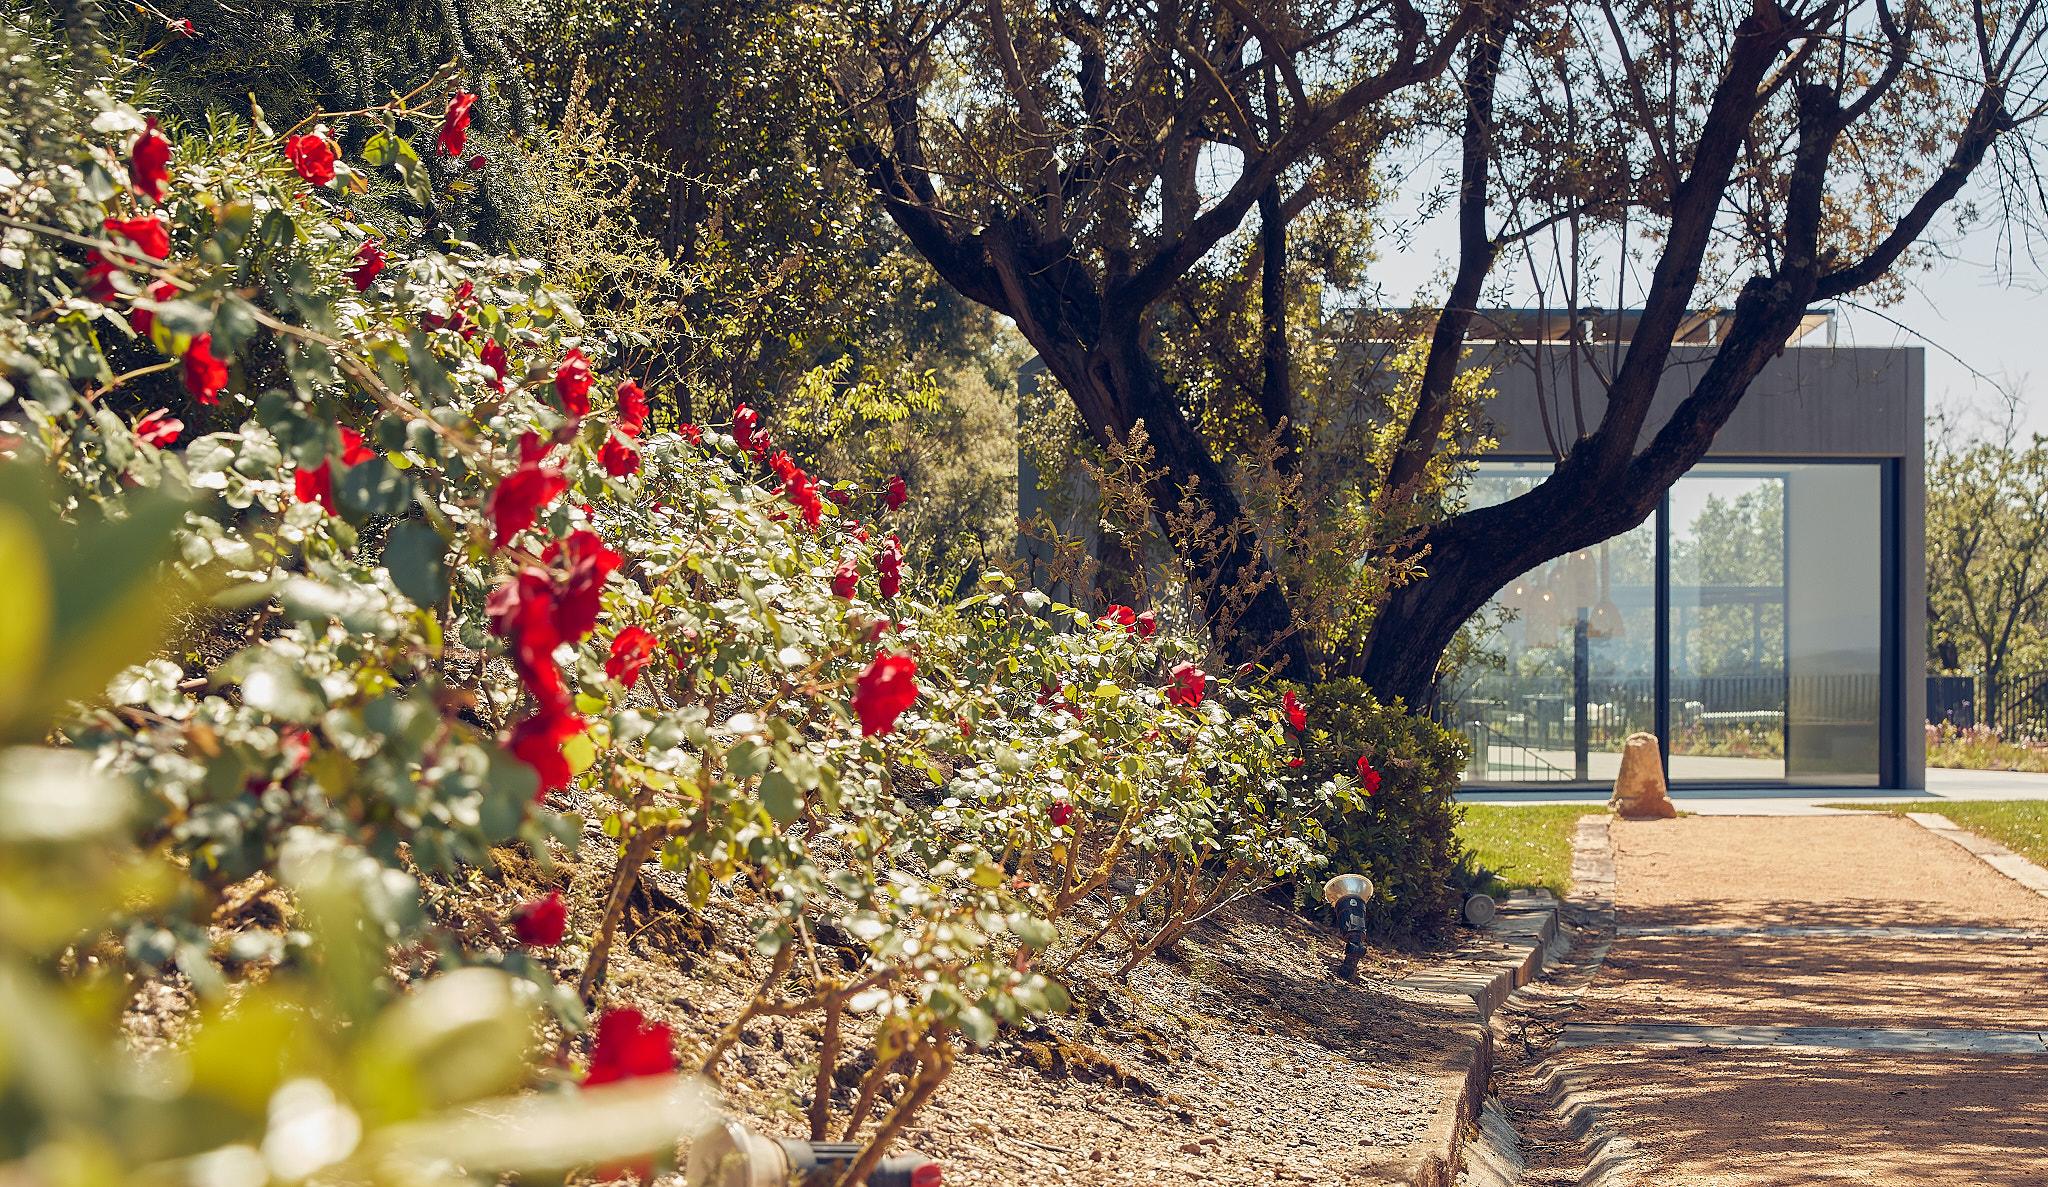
(443, 592)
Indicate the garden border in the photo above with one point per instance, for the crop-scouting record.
(1986, 850)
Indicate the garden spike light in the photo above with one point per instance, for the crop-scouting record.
(731, 1155)
(1347, 895)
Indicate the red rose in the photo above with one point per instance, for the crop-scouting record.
(897, 494)
(694, 434)
(205, 375)
(149, 233)
(99, 279)
(315, 484)
(1186, 685)
(572, 385)
(1119, 615)
(185, 28)
(883, 692)
(520, 495)
(353, 449)
(590, 565)
(798, 487)
(496, 362)
(312, 155)
(142, 319)
(744, 421)
(369, 262)
(618, 456)
(1147, 625)
(1368, 776)
(523, 610)
(1061, 812)
(629, 1047)
(632, 409)
(149, 163)
(541, 922)
(537, 742)
(631, 649)
(889, 568)
(455, 124)
(158, 428)
(1295, 762)
(1296, 715)
(477, 163)
(846, 579)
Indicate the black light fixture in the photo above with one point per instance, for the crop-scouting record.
(731, 1155)
(1347, 895)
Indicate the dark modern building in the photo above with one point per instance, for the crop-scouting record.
(1766, 623)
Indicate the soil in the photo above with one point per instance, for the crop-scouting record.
(1751, 1117)
(1237, 1059)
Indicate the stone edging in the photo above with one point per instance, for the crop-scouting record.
(1494, 1158)
(1986, 850)
(1511, 952)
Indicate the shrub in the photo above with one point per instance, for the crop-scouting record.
(451, 591)
(1403, 835)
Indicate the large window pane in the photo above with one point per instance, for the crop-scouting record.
(1561, 669)
(1835, 630)
(1727, 626)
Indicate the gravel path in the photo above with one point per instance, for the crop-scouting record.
(1738, 1114)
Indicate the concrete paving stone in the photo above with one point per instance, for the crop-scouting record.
(1826, 1038)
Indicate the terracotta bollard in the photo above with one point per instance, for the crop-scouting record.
(1639, 790)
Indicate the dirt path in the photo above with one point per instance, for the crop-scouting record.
(1818, 1000)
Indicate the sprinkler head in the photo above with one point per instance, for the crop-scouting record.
(731, 1155)
(1347, 895)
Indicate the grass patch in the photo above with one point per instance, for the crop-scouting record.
(1528, 847)
(2019, 825)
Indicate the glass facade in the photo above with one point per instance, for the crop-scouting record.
(1743, 624)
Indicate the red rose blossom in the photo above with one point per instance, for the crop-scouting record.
(496, 362)
(1147, 625)
(1186, 685)
(618, 456)
(205, 375)
(541, 922)
(897, 494)
(149, 163)
(1368, 775)
(477, 163)
(632, 408)
(537, 742)
(1295, 762)
(315, 484)
(455, 124)
(883, 692)
(629, 1047)
(692, 433)
(889, 568)
(572, 385)
(369, 262)
(312, 155)
(744, 421)
(1119, 615)
(1061, 812)
(354, 451)
(1296, 715)
(520, 495)
(631, 649)
(141, 318)
(149, 233)
(846, 579)
(590, 565)
(158, 428)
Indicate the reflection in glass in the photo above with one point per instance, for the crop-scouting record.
(1727, 627)
(1773, 636)
(1562, 667)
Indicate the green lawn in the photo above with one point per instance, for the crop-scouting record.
(1527, 847)
(2019, 825)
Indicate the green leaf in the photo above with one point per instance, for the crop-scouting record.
(781, 796)
(416, 557)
